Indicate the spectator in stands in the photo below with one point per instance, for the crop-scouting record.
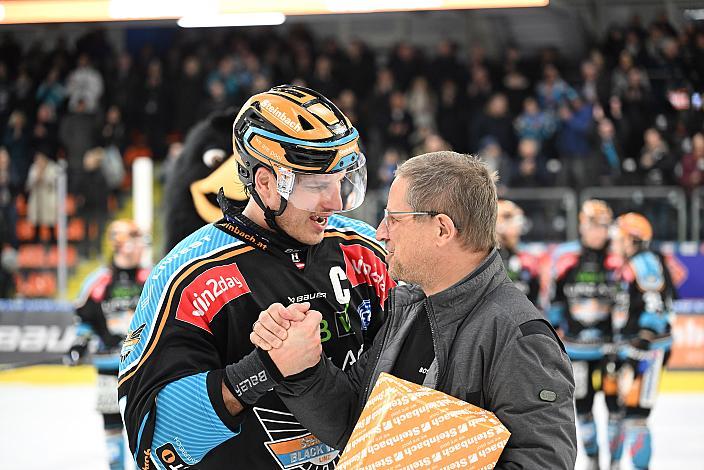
(445, 65)
(226, 75)
(23, 91)
(529, 170)
(123, 86)
(6, 98)
(17, 142)
(692, 164)
(114, 132)
(496, 159)
(78, 132)
(430, 143)
(421, 103)
(51, 91)
(84, 85)
(187, 94)
(92, 192)
(595, 86)
(515, 81)
(494, 122)
(479, 89)
(553, 92)
(656, 163)
(9, 189)
(154, 109)
(405, 63)
(533, 123)
(347, 102)
(323, 79)
(573, 143)
(398, 123)
(608, 148)
(389, 163)
(451, 116)
(41, 187)
(45, 133)
(358, 71)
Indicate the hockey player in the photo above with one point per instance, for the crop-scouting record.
(647, 330)
(521, 267)
(581, 307)
(193, 390)
(105, 307)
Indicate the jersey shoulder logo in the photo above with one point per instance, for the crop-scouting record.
(131, 341)
(294, 446)
(204, 296)
(363, 266)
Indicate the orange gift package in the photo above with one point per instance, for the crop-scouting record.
(407, 426)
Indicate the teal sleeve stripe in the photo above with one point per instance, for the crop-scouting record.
(185, 418)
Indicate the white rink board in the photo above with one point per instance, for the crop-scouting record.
(44, 427)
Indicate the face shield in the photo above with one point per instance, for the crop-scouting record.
(341, 191)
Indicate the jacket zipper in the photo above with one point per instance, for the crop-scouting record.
(378, 356)
(432, 335)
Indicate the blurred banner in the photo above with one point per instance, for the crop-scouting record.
(34, 331)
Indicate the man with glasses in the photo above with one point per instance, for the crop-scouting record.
(459, 325)
(582, 308)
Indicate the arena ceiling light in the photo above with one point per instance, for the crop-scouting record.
(77, 11)
(243, 19)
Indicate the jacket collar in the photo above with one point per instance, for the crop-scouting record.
(454, 303)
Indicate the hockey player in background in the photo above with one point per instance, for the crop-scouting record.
(521, 267)
(647, 282)
(105, 307)
(581, 306)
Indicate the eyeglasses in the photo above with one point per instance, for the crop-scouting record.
(390, 221)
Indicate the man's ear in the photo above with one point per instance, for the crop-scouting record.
(265, 184)
(445, 229)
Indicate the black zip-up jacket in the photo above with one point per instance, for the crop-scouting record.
(492, 349)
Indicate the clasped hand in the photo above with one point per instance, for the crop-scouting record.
(291, 335)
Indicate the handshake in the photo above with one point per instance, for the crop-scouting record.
(291, 335)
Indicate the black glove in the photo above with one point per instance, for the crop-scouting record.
(76, 352)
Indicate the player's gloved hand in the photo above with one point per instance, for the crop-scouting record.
(76, 353)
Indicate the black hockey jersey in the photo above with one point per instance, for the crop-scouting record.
(194, 318)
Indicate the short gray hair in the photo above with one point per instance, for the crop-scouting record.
(459, 186)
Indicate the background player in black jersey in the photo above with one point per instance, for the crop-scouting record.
(649, 289)
(522, 268)
(581, 308)
(107, 301)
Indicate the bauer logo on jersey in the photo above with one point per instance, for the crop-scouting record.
(292, 446)
(363, 266)
(203, 298)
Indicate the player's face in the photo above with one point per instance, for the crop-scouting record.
(508, 227)
(304, 226)
(594, 234)
(129, 248)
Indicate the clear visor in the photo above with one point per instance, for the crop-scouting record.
(331, 192)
